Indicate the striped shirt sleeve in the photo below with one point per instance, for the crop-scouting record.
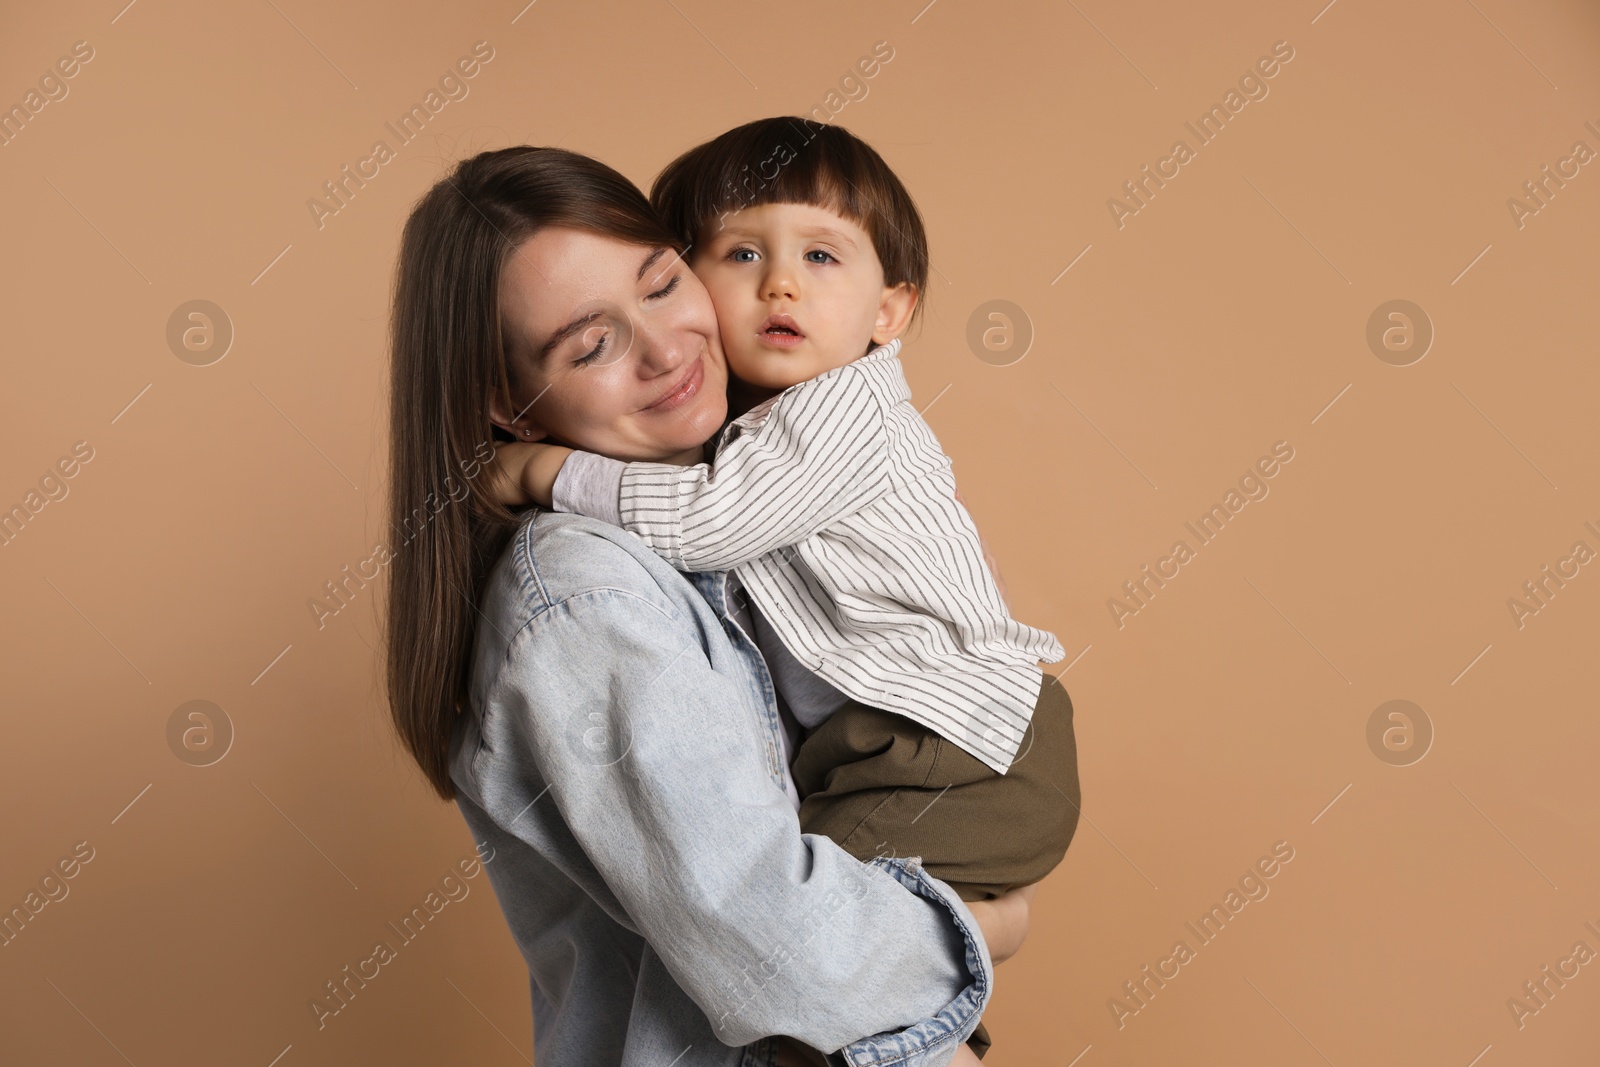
(822, 453)
(591, 485)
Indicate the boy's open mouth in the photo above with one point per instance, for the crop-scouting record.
(781, 330)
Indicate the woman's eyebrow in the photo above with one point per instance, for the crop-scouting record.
(567, 331)
(648, 261)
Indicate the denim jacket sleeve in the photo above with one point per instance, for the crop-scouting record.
(647, 747)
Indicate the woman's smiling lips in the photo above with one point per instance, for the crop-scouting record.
(685, 390)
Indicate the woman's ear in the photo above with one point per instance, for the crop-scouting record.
(519, 424)
(894, 312)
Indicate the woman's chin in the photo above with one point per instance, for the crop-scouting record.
(670, 441)
(704, 417)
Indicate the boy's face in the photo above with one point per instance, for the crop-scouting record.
(798, 291)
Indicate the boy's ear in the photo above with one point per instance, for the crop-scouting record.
(894, 312)
(523, 428)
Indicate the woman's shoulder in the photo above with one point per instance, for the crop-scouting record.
(557, 582)
(555, 557)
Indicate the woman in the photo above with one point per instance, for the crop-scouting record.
(606, 727)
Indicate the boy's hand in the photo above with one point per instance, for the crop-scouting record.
(526, 473)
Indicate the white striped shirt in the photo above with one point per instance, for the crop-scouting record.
(835, 507)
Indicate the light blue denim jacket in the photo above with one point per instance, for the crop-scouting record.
(622, 756)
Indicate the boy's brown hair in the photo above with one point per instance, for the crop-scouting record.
(789, 160)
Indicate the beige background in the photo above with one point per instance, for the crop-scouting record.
(1228, 314)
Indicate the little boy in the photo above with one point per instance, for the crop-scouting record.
(928, 727)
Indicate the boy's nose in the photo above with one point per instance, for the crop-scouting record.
(779, 284)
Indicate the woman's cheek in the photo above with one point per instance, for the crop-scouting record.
(598, 405)
(573, 410)
(699, 311)
(716, 362)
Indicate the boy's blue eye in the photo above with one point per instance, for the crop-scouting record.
(819, 252)
(737, 252)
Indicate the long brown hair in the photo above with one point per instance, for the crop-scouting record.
(447, 354)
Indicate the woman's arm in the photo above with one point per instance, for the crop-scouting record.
(641, 726)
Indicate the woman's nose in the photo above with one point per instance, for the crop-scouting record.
(662, 350)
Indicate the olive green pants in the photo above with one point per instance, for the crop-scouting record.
(879, 783)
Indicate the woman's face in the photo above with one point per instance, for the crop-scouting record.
(612, 346)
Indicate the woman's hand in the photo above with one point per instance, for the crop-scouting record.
(965, 1057)
(526, 473)
(1004, 921)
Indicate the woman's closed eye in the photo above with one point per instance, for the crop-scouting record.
(600, 336)
(666, 289)
(600, 345)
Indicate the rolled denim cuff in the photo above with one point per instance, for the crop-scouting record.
(931, 1042)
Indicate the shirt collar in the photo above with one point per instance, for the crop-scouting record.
(885, 351)
(758, 414)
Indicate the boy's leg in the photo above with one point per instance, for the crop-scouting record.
(880, 783)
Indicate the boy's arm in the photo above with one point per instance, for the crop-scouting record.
(591, 485)
(526, 472)
(821, 454)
